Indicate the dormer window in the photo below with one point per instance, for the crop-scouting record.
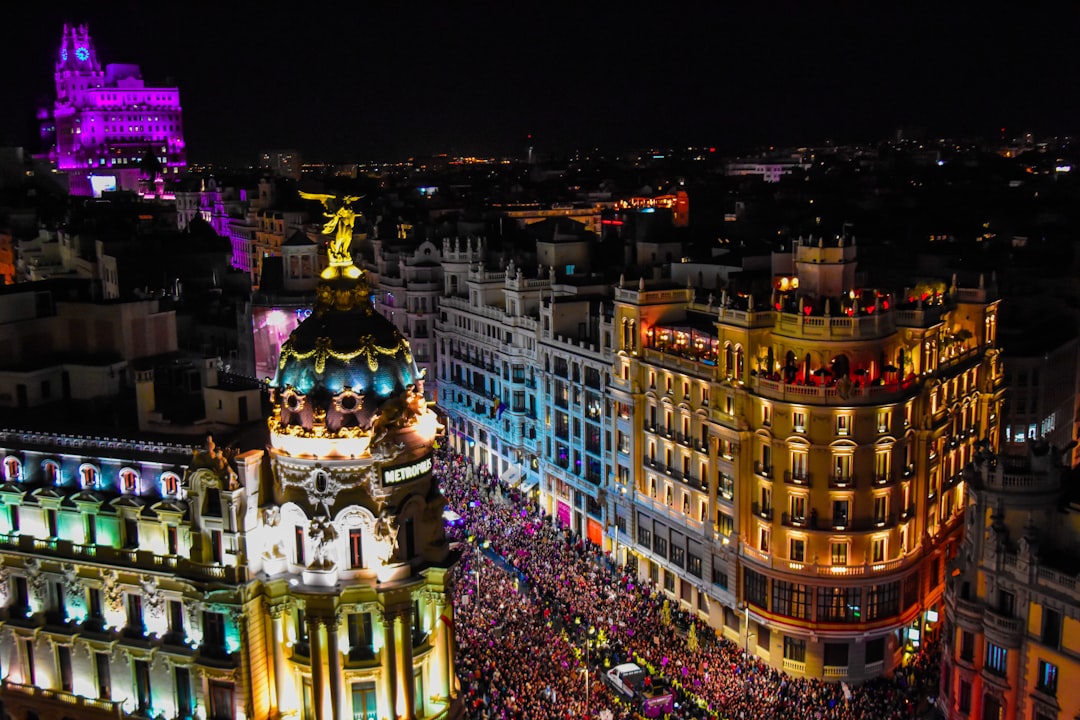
(129, 481)
(12, 469)
(170, 484)
(88, 476)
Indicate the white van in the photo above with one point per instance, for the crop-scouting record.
(625, 679)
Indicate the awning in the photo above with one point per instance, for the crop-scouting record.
(511, 476)
(529, 483)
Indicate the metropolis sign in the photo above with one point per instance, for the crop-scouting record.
(404, 473)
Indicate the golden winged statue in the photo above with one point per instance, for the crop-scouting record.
(340, 224)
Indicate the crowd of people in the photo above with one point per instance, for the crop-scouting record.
(531, 597)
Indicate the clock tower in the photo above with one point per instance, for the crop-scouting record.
(106, 120)
(77, 66)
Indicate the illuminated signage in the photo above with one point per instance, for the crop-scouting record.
(394, 476)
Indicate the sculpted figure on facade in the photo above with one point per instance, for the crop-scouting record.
(323, 533)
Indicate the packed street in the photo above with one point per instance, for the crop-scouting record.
(533, 601)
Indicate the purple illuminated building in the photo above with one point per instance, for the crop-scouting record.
(106, 125)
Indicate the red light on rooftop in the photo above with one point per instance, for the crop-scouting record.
(806, 309)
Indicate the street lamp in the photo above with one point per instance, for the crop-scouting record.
(588, 641)
(746, 623)
(479, 555)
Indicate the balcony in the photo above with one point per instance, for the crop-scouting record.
(800, 478)
(842, 482)
(835, 672)
(765, 513)
(862, 524)
(138, 559)
(995, 621)
(829, 394)
(885, 478)
(967, 610)
(765, 471)
(799, 521)
(794, 667)
(56, 703)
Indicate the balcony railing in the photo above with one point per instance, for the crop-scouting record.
(813, 568)
(884, 478)
(766, 513)
(800, 477)
(794, 666)
(863, 524)
(839, 482)
(56, 699)
(1002, 623)
(765, 471)
(140, 559)
(800, 521)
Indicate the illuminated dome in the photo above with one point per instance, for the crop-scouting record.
(343, 364)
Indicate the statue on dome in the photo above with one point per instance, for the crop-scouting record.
(339, 223)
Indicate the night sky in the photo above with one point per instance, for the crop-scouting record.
(384, 80)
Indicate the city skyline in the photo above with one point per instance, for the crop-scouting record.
(475, 81)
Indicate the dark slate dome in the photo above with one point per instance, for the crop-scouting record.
(343, 362)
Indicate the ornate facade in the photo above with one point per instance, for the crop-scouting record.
(1012, 611)
(308, 578)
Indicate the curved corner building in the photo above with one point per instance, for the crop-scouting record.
(355, 555)
(310, 581)
(800, 457)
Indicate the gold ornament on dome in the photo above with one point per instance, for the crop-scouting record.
(340, 221)
(351, 397)
(343, 296)
(318, 431)
(368, 349)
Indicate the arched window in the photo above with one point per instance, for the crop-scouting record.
(12, 469)
(729, 359)
(129, 481)
(51, 470)
(170, 484)
(740, 357)
(88, 475)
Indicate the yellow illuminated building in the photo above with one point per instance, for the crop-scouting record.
(1012, 604)
(790, 466)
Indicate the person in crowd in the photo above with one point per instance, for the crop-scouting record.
(544, 594)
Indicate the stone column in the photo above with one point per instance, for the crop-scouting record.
(389, 666)
(281, 676)
(318, 676)
(336, 676)
(405, 668)
(443, 660)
